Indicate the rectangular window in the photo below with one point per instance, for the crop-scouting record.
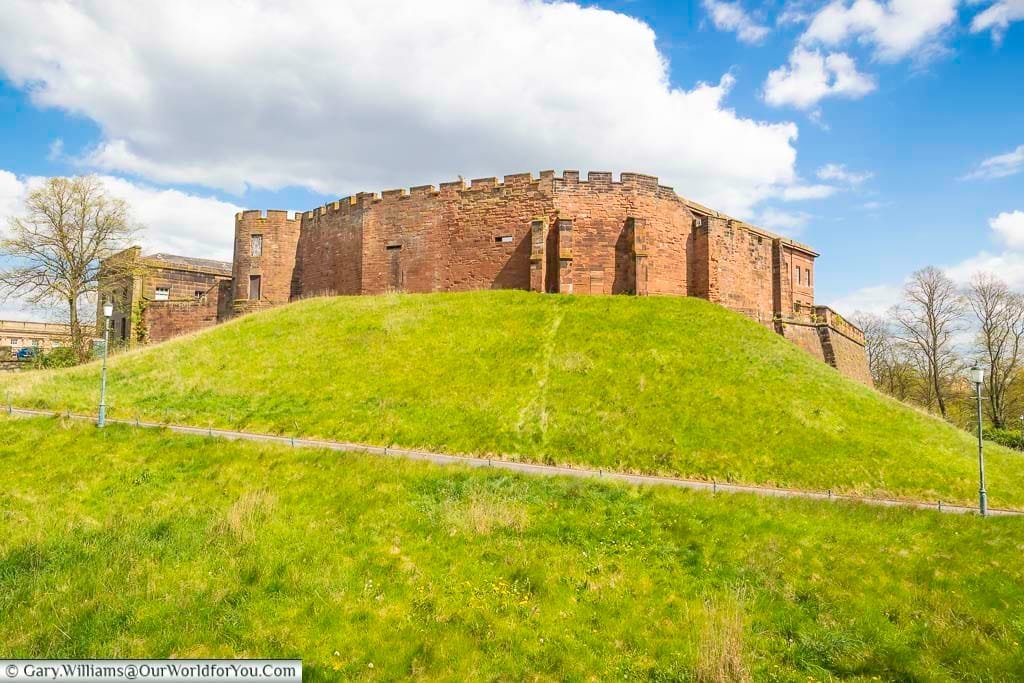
(799, 279)
(15, 342)
(163, 293)
(37, 343)
(124, 329)
(199, 294)
(808, 277)
(256, 245)
(393, 247)
(254, 287)
(503, 239)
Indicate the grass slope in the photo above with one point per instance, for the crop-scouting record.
(127, 543)
(666, 385)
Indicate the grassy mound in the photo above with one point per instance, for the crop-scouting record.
(132, 543)
(665, 385)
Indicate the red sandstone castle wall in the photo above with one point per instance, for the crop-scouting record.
(275, 266)
(739, 268)
(604, 239)
(554, 234)
(482, 214)
(794, 299)
(329, 251)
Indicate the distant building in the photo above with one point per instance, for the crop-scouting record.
(554, 234)
(18, 334)
(164, 295)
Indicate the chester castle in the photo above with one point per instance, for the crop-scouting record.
(553, 234)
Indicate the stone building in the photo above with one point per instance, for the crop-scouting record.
(160, 296)
(549, 233)
(21, 334)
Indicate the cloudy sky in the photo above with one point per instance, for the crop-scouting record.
(889, 134)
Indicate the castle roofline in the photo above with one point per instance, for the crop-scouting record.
(177, 262)
(701, 209)
(568, 177)
(8, 324)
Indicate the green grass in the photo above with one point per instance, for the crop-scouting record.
(664, 385)
(141, 543)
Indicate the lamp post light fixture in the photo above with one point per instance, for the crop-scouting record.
(108, 311)
(978, 377)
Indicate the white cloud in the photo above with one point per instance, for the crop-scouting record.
(895, 29)
(876, 299)
(811, 76)
(172, 221)
(999, 166)
(998, 17)
(12, 193)
(391, 93)
(1007, 266)
(1009, 226)
(179, 223)
(789, 223)
(730, 16)
(56, 151)
(838, 173)
(795, 12)
(795, 193)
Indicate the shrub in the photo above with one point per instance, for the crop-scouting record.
(61, 357)
(1006, 437)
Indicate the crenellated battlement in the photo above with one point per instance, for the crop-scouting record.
(267, 215)
(637, 182)
(595, 181)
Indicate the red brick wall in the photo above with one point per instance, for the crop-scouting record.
(167, 319)
(329, 251)
(603, 243)
(804, 335)
(424, 240)
(484, 212)
(794, 299)
(183, 312)
(740, 269)
(276, 265)
(848, 356)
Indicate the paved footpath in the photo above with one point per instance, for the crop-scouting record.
(525, 467)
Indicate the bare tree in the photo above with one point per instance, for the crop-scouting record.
(891, 370)
(877, 339)
(69, 226)
(1000, 314)
(927, 321)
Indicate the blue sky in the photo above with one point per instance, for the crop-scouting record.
(862, 127)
